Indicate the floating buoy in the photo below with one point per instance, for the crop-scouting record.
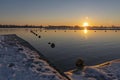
(49, 43)
(36, 34)
(39, 36)
(52, 45)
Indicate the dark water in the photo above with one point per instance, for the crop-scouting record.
(93, 47)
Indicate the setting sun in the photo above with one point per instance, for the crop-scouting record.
(85, 24)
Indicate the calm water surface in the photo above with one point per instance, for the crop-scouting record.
(93, 47)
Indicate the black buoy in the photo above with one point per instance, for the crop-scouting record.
(49, 43)
(52, 45)
(39, 36)
(36, 34)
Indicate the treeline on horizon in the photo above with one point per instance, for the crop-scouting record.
(62, 27)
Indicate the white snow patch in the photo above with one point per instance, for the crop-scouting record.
(20, 63)
(106, 71)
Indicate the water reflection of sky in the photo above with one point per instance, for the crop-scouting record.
(93, 47)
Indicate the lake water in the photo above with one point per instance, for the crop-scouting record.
(94, 47)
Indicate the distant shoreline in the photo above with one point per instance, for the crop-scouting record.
(52, 27)
(81, 28)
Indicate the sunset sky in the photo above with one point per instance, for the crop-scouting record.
(60, 12)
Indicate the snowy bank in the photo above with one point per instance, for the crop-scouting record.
(18, 62)
(106, 71)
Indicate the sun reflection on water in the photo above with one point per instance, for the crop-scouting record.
(85, 30)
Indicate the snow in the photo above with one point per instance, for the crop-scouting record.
(106, 71)
(18, 62)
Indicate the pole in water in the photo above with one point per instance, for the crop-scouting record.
(80, 64)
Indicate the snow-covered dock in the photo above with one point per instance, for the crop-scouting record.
(19, 62)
